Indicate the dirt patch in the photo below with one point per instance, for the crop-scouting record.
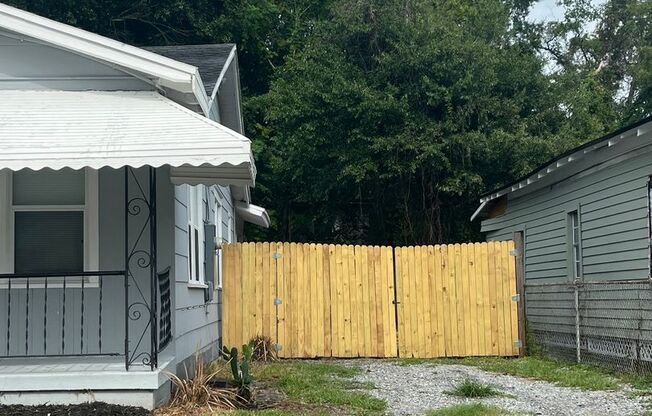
(86, 409)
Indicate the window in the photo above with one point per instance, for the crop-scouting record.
(196, 234)
(575, 247)
(219, 238)
(49, 223)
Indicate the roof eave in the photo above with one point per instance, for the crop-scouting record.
(572, 156)
(163, 72)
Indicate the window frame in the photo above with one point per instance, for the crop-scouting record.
(218, 218)
(90, 210)
(574, 241)
(196, 238)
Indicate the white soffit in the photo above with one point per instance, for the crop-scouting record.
(77, 129)
(252, 213)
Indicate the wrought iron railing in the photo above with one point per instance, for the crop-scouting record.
(58, 314)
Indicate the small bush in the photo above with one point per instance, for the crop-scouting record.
(472, 389)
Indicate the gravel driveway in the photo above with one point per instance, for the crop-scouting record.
(413, 389)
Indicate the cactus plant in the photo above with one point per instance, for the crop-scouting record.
(240, 368)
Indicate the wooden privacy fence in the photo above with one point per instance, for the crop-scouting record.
(318, 300)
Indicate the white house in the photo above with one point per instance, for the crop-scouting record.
(121, 172)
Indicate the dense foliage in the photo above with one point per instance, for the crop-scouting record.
(382, 121)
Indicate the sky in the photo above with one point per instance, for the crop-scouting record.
(547, 10)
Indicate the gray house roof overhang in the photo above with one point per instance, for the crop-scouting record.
(565, 161)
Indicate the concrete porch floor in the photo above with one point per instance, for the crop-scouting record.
(70, 380)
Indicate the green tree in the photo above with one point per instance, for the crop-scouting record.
(396, 115)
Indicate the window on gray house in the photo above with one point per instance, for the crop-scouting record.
(575, 252)
(48, 217)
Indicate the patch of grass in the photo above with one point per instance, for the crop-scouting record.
(471, 388)
(563, 374)
(260, 413)
(469, 409)
(413, 361)
(322, 384)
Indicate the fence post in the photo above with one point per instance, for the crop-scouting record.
(576, 287)
(396, 302)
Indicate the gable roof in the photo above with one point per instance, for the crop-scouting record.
(566, 160)
(163, 72)
(212, 59)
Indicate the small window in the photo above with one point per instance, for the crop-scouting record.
(196, 234)
(575, 244)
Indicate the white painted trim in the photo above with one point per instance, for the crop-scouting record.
(225, 68)
(194, 285)
(196, 224)
(479, 210)
(6, 251)
(253, 214)
(92, 221)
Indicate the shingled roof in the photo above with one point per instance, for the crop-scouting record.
(210, 59)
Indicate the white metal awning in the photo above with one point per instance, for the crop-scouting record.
(252, 213)
(78, 129)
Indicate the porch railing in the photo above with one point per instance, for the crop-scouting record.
(58, 315)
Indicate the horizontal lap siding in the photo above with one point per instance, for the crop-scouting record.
(197, 324)
(614, 224)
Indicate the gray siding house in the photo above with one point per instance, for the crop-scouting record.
(581, 223)
(122, 171)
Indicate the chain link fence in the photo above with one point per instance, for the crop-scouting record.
(607, 323)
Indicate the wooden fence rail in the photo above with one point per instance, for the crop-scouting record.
(319, 300)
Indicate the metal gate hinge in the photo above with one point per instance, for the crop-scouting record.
(278, 347)
(514, 252)
(276, 255)
(278, 301)
(518, 343)
(516, 297)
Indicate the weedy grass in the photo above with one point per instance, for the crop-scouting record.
(469, 409)
(563, 374)
(262, 413)
(321, 384)
(474, 389)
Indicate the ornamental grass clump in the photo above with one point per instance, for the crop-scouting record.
(197, 393)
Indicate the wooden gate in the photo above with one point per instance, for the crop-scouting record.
(318, 300)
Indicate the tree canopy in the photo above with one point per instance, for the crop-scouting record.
(382, 121)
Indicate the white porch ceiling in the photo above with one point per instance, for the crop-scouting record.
(77, 129)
